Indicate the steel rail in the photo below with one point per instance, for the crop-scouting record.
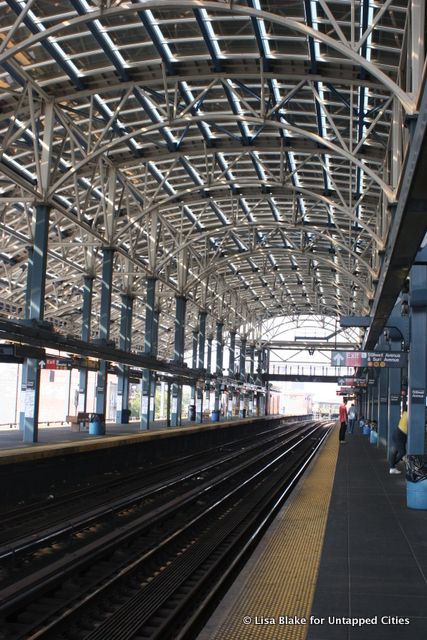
(27, 588)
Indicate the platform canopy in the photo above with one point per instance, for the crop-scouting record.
(247, 154)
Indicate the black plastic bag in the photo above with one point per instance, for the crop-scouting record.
(416, 468)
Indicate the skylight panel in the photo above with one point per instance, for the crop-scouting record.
(52, 41)
(114, 50)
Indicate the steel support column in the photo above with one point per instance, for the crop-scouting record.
(36, 312)
(124, 344)
(219, 363)
(382, 407)
(362, 401)
(27, 315)
(252, 378)
(153, 381)
(104, 328)
(417, 374)
(194, 363)
(149, 343)
(208, 369)
(168, 404)
(201, 364)
(209, 355)
(181, 304)
(242, 375)
(85, 333)
(394, 397)
(267, 386)
(258, 356)
(368, 400)
(232, 355)
(374, 393)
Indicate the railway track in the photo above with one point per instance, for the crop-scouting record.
(137, 578)
(30, 519)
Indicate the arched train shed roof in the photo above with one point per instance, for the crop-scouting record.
(247, 154)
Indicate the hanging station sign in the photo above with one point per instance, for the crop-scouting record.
(387, 359)
(58, 363)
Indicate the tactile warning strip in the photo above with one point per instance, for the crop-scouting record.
(275, 601)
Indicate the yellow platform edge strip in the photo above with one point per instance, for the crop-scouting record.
(280, 586)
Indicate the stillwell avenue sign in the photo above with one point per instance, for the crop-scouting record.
(392, 359)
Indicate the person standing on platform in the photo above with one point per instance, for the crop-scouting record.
(343, 418)
(352, 416)
(398, 449)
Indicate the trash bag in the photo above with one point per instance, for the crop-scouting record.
(416, 468)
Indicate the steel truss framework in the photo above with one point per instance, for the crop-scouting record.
(246, 154)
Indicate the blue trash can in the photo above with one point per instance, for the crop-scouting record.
(215, 416)
(96, 424)
(416, 481)
(416, 494)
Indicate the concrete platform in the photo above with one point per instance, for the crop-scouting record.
(12, 438)
(370, 578)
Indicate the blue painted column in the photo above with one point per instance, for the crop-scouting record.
(194, 342)
(417, 374)
(394, 397)
(35, 306)
(208, 369)
(251, 409)
(27, 315)
(242, 376)
(201, 365)
(242, 359)
(85, 335)
(149, 343)
(153, 376)
(30, 252)
(266, 366)
(209, 354)
(258, 379)
(125, 337)
(181, 305)
(252, 362)
(382, 413)
(219, 364)
(104, 330)
(232, 355)
(372, 408)
(368, 399)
